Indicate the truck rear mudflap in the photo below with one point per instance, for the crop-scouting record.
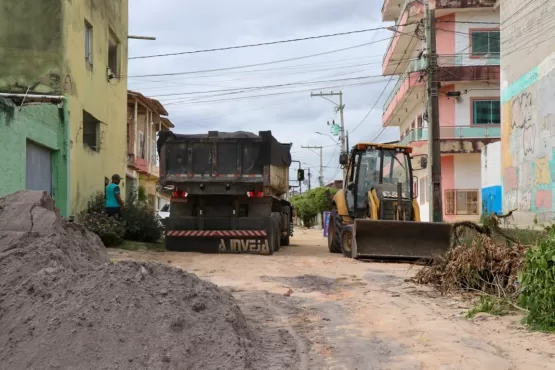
(219, 241)
(250, 237)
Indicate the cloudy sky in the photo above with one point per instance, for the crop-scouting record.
(239, 92)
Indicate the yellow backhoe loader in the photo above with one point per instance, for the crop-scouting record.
(376, 215)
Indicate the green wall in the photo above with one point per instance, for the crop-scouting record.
(31, 46)
(45, 124)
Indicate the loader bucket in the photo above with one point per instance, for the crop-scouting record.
(399, 240)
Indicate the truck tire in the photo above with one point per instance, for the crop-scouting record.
(284, 240)
(334, 232)
(276, 219)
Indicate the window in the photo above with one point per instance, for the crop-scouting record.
(486, 112)
(422, 190)
(461, 202)
(449, 202)
(113, 55)
(485, 42)
(91, 128)
(88, 44)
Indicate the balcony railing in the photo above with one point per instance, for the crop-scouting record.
(414, 66)
(446, 4)
(465, 60)
(455, 132)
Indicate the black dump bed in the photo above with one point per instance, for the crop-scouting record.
(219, 157)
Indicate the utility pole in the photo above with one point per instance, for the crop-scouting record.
(339, 108)
(432, 87)
(309, 184)
(321, 177)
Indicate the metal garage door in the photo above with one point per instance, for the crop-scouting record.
(38, 168)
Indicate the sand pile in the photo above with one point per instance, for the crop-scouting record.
(64, 306)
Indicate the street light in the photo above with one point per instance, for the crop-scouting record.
(319, 133)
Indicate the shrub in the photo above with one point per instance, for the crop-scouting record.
(96, 203)
(538, 283)
(111, 230)
(141, 224)
(138, 223)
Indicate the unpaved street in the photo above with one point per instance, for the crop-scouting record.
(323, 311)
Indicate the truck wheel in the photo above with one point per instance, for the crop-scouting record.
(284, 240)
(276, 218)
(334, 232)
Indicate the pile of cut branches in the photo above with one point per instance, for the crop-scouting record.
(484, 266)
(489, 263)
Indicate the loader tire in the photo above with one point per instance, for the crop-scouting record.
(284, 240)
(347, 241)
(334, 232)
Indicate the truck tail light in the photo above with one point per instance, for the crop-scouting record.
(179, 194)
(255, 194)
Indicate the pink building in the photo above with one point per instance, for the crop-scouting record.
(468, 47)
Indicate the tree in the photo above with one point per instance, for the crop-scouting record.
(312, 203)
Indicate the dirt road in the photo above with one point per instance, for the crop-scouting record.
(323, 311)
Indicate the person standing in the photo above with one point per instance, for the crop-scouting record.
(114, 205)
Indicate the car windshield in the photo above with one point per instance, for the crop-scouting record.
(395, 169)
(165, 208)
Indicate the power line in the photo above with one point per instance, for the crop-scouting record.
(269, 86)
(193, 101)
(388, 82)
(262, 64)
(261, 43)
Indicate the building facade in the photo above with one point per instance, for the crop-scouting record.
(76, 51)
(528, 112)
(145, 118)
(467, 42)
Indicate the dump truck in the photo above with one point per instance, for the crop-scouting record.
(228, 192)
(376, 214)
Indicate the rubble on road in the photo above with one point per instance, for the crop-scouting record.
(63, 305)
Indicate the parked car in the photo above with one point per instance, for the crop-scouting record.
(164, 211)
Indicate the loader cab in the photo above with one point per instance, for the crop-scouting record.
(378, 169)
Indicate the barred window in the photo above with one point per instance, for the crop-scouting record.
(461, 202)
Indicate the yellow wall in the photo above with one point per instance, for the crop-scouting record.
(90, 90)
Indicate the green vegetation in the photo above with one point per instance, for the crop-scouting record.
(538, 283)
(510, 269)
(142, 246)
(138, 223)
(312, 203)
(492, 305)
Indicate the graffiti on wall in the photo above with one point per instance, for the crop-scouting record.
(529, 142)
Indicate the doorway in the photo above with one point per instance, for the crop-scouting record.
(38, 171)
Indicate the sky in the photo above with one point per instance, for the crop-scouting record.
(247, 98)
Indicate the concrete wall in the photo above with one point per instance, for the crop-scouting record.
(89, 89)
(31, 46)
(491, 178)
(44, 124)
(528, 111)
